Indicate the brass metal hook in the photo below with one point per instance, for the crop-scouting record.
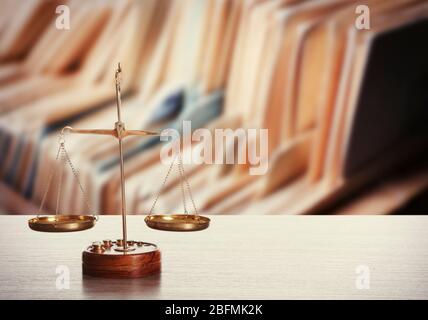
(64, 131)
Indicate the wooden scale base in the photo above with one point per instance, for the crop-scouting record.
(109, 260)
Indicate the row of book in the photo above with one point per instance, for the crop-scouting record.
(345, 106)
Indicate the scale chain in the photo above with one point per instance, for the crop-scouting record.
(49, 183)
(183, 173)
(162, 186)
(183, 183)
(58, 198)
(180, 164)
(63, 155)
(76, 176)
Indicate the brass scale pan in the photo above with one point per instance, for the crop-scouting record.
(62, 223)
(166, 222)
(177, 222)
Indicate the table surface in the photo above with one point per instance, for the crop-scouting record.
(238, 257)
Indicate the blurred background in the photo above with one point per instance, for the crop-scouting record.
(341, 86)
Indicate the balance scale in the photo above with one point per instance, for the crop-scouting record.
(121, 258)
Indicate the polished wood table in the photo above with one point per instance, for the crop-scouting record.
(238, 257)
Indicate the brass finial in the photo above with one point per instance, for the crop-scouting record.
(118, 74)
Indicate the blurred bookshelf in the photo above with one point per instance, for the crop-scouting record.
(346, 108)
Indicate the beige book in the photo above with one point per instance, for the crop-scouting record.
(30, 18)
(233, 82)
(222, 33)
(157, 69)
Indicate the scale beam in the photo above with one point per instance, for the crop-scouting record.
(128, 133)
(111, 132)
(105, 132)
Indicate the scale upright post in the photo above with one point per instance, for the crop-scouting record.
(121, 258)
(120, 127)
